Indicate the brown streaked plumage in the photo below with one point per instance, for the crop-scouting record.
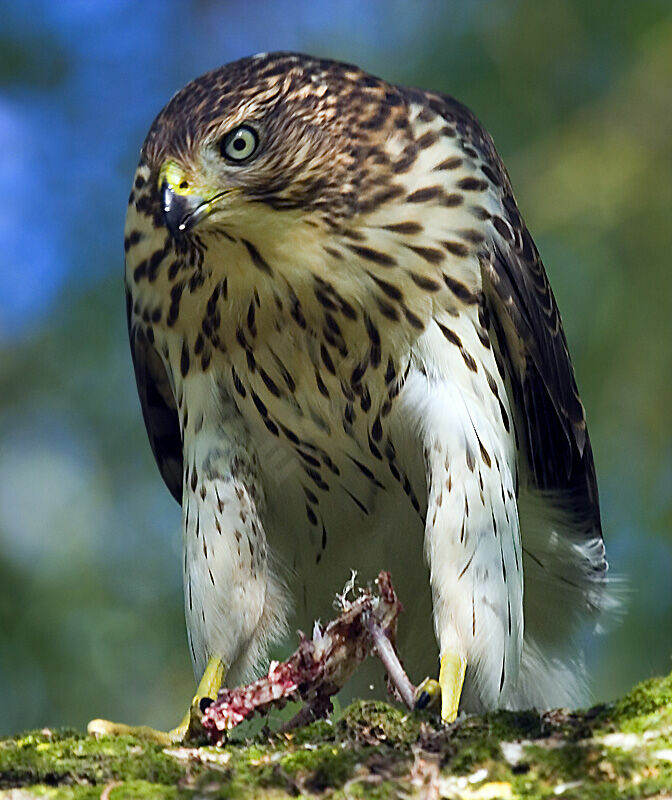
(343, 337)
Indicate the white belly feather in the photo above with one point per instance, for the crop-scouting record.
(330, 505)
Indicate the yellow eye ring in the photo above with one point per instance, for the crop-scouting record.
(239, 144)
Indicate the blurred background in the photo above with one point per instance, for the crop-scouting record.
(578, 97)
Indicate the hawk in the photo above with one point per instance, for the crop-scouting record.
(348, 355)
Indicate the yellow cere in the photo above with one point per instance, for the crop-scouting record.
(175, 176)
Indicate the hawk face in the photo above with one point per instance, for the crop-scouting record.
(290, 134)
(292, 170)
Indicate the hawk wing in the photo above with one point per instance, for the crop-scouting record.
(531, 338)
(158, 405)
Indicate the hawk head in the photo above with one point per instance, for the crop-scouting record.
(285, 176)
(285, 131)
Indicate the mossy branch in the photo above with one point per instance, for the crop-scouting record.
(374, 750)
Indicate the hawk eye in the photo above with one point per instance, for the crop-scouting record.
(239, 144)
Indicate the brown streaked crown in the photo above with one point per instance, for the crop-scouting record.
(322, 128)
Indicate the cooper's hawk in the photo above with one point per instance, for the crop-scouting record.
(347, 349)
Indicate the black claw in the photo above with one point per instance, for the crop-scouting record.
(204, 703)
(422, 700)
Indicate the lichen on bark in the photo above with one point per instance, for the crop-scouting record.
(623, 749)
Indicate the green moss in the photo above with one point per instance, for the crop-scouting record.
(130, 790)
(374, 789)
(329, 760)
(57, 793)
(568, 763)
(371, 751)
(293, 766)
(376, 721)
(37, 757)
(652, 697)
(320, 731)
(143, 790)
(477, 740)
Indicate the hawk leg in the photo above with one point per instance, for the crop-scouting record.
(472, 544)
(448, 688)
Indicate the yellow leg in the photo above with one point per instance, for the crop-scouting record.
(448, 687)
(451, 680)
(209, 685)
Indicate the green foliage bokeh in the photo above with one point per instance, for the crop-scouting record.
(579, 100)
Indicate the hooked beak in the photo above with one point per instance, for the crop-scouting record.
(182, 212)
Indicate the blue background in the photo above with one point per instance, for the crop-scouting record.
(577, 97)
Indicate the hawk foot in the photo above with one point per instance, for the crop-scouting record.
(448, 688)
(189, 728)
(427, 693)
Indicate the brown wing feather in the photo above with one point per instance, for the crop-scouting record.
(526, 316)
(531, 335)
(158, 407)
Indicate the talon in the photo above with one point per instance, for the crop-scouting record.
(205, 703)
(427, 693)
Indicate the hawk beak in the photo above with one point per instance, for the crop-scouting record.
(182, 212)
